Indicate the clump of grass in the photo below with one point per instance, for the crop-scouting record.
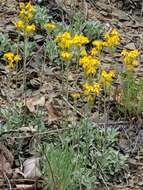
(86, 155)
(132, 95)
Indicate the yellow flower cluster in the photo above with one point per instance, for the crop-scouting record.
(79, 40)
(75, 95)
(26, 14)
(93, 88)
(112, 38)
(26, 11)
(130, 58)
(11, 59)
(65, 40)
(90, 90)
(99, 44)
(50, 26)
(106, 77)
(89, 64)
(94, 51)
(65, 55)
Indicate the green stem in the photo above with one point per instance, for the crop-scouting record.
(24, 71)
(43, 67)
(67, 81)
(17, 52)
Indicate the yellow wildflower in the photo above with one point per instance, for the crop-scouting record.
(93, 88)
(50, 26)
(124, 52)
(24, 15)
(26, 11)
(91, 70)
(94, 51)
(29, 7)
(65, 35)
(106, 77)
(88, 60)
(80, 40)
(113, 41)
(21, 5)
(9, 56)
(65, 56)
(130, 58)
(135, 62)
(98, 44)
(89, 64)
(112, 38)
(20, 24)
(130, 53)
(17, 58)
(30, 28)
(64, 40)
(96, 87)
(75, 95)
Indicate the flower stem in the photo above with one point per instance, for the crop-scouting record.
(24, 71)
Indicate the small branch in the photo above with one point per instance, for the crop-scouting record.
(9, 184)
(73, 108)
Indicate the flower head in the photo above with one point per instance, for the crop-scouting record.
(26, 11)
(20, 24)
(112, 38)
(94, 51)
(80, 40)
(17, 58)
(98, 44)
(50, 26)
(129, 58)
(130, 53)
(89, 64)
(30, 28)
(65, 55)
(93, 88)
(75, 95)
(64, 40)
(12, 59)
(106, 77)
(9, 56)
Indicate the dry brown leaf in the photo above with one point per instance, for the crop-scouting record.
(53, 114)
(6, 162)
(31, 103)
(32, 167)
